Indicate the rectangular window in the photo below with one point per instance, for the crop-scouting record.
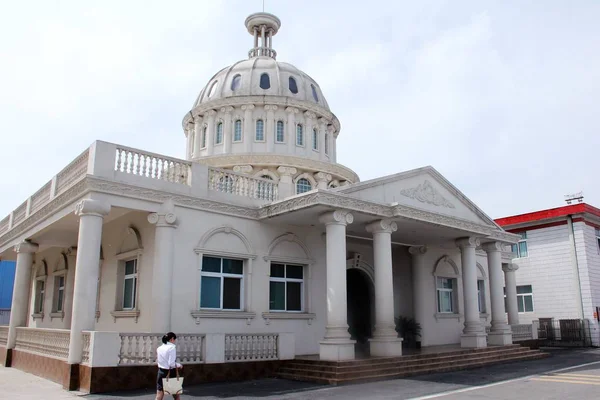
(445, 295)
(40, 287)
(286, 287)
(315, 139)
(520, 249)
(260, 130)
(326, 143)
(279, 137)
(598, 239)
(130, 284)
(59, 285)
(203, 141)
(481, 295)
(525, 298)
(299, 135)
(221, 283)
(237, 131)
(219, 135)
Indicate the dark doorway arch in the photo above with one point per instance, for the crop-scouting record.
(360, 308)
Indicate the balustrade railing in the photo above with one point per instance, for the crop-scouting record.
(86, 337)
(522, 332)
(76, 170)
(251, 347)
(241, 185)
(4, 224)
(3, 335)
(19, 213)
(153, 166)
(140, 348)
(41, 197)
(46, 342)
(4, 316)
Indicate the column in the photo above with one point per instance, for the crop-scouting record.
(227, 129)
(322, 131)
(197, 137)
(248, 131)
(336, 345)
(210, 132)
(474, 332)
(333, 147)
(20, 298)
(163, 264)
(511, 293)
(420, 276)
(270, 125)
(285, 187)
(309, 119)
(500, 333)
(291, 129)
(385, 341)
(322, 179)
(91, 214)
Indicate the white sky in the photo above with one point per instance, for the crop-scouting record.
(500, 97)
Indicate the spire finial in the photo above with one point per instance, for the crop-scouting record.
(264, 26)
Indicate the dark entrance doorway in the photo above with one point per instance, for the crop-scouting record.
(360, 308)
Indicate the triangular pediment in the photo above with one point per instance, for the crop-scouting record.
(423, 188)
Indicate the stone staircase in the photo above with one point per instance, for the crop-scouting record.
(374, 369)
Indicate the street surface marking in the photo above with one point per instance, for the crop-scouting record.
(562, 380)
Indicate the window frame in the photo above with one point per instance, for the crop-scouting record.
(315, 138)
(237, 78)
(222, 277)
(290, 79)
(57, 301)
(326, 144)
(267, 82)
(287, 280)
(300, 135)
(203, 137)
(521, 299)
(40, 295)
(311, 185)
(516, 248)
(277, 122)
(262, 130)
(235, 125)
(219, 133)
(135, 277)
(481, 304)
(452, 291)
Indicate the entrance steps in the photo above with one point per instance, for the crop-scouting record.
(381, 368)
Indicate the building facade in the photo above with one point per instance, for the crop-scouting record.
(558, 263)
(258, 246)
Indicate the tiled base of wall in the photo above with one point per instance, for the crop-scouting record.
(46, 367)
(109, 379)
(2, 355)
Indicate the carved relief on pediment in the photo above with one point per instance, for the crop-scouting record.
(426, 193)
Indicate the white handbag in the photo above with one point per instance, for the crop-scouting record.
(173, 386)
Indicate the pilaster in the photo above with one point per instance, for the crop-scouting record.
(285, 187)
(248, 134)
(291, 111)
(210, 132)
(270, 125)
(228, 129)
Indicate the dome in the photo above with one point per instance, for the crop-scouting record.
(262, 76)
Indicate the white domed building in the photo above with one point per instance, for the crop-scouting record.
(258, 247)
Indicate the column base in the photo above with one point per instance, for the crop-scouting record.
(499, 338)
(473, 340)
(337, 350)
(386, 347)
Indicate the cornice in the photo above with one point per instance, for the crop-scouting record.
(276, 160)
(263, 100)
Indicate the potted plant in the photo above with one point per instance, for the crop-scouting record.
(409, 330)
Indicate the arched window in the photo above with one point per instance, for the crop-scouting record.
(236, 82)
(204, 137)
(279, 137)
(237, 131)
(315, 139)
(299, 135)
(265, 81)
(326, 143)
(303, 185)
(213, 89)
(260, 130)
(219, 135)
(314, 92)
(293, 86)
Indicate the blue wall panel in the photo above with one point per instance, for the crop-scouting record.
(7, 277)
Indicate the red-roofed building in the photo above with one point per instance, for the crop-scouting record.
(558, 261)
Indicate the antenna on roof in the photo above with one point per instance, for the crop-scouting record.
(574, 197)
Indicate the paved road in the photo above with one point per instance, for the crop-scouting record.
(568, 374)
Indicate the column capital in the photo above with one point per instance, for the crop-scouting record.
(323, 122)
(165, 217)
(382, 226)
(26, 247)
(243, 169)
(310, 115)
(468, 242)
(292, 110)
(492, 247)
(271, 107)
(211, 113)
(322, 176)
(337, 217)
(417, 250)
(248, 107)
(510, 267)
(287, 171)
(227, 110)
(92, 207)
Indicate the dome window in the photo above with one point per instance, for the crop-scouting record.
(260, 130)
(219, 135)
(236, 82)
(326, 143)
(265, 81)
(237, 130)
(203, 142)
(293, 86)
(279, 136)
(213, 89)
(314, 92)
(315, 139)
(299, 135)
(303, 185)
